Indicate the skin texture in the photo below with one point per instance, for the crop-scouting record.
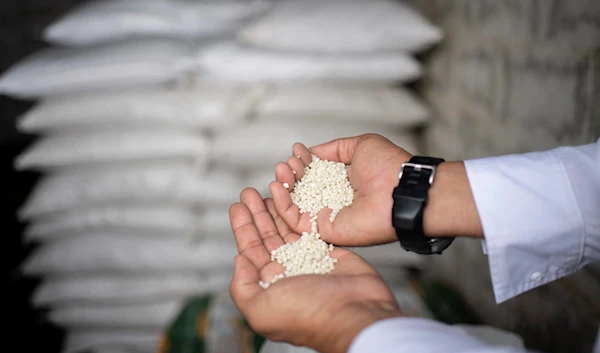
(326, 312)
(306, 310)
(374, 164)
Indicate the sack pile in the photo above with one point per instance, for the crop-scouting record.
(152, 116)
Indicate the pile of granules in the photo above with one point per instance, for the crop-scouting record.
(324, 184)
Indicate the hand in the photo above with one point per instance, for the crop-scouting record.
(324, 312)
(375, 163)
(374, 166)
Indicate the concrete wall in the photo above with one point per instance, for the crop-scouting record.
(515, 76)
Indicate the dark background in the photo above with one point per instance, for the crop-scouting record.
(21, 23)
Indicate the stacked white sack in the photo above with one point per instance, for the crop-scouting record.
(130, 217)
(154, 115)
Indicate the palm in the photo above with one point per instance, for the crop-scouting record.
(313, 298)
(368, 220)
(302, 299)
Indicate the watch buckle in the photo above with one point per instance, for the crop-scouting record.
(418, 167)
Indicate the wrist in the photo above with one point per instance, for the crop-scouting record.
(400, 158)
(451, 209)
(350, 321)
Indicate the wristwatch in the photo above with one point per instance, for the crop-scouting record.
(410, 199)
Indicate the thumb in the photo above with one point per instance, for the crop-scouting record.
(343, 229)
(338, 150)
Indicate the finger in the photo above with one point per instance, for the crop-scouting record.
(288, 235)
(284, 175)
(248, 240)
(244, 285)
(297, 167)
(301, 152)
(338, 150)
(262, 219)
(282, 200)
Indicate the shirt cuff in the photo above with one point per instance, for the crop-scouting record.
(532, 224)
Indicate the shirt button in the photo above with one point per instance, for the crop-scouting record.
(536, 276)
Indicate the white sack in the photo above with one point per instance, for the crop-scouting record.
(124, 253)
(112, 145)
(127, 289)
(118, 348)
(262, 145)
(260, 179)
(55, 71)
(204, 106)
(175, 182)
(341, 26)
(343, 103)
(153, 315)
(236, 63)
(112, 340)
(215, 220)
(160, 220)
(101, 21)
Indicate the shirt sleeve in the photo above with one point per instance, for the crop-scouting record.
(540, 214)
(421, 335)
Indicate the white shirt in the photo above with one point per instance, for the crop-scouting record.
(540, 214)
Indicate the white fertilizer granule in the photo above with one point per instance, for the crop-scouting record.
(324, 184)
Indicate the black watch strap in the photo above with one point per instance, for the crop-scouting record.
(410, 198)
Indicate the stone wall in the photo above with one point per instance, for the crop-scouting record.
(516, 76)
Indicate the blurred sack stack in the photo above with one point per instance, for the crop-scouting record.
(154, 115)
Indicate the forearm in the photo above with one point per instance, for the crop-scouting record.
(451, 209)
(540, 213)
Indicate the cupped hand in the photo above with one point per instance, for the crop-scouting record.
(324, 312)
(374, 164)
